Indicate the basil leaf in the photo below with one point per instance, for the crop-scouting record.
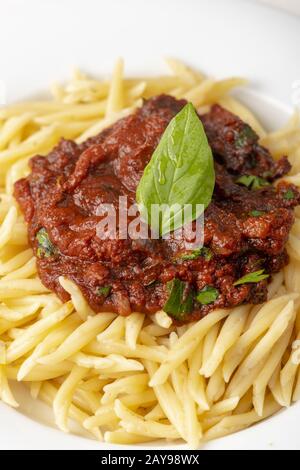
(257, 276)
(256, 213)
(181, 171)
(207, 295)
(178, 304)
(45, 246)
(252, 181)
(188, 303)
(104, 291)
(289, 195)
(205, 252)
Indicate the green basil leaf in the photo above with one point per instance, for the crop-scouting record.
(104, 291)
(45, 246)
(178, 304)
(252, 181)
(205, 252)
(181, 171)
(257, 276)
(256, 213)
(188, 303)
(289, 195)
(207, 295)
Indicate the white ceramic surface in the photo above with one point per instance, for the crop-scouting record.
(292, 6)
(41, 41)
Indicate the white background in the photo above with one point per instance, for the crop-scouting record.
(293, 6)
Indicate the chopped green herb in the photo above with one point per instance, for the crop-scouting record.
(259, 183)
(207, 295)
(289, 194)
(178, 303)
(252, 181)
(246, 180)
(45, 246)
(257, 276)
(104, 291)
(205, 252)
(245, 137)
(256, 213)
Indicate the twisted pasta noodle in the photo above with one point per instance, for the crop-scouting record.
(261, 382)
(133, 326)
(230, 332)
(262, 321)
(196, 382)
(249, 369)
(63, 398)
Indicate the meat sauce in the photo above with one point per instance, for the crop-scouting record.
(246, 229)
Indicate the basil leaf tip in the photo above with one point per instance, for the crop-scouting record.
(207, 295)
(256, 276)
(180, 172)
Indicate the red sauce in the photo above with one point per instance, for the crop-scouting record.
(64, 189)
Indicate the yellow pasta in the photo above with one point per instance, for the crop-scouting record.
(48, 393)
(193, 427)
(115, 95)
(33, 335)
(133, 423)
(196, 381)
(131, 384)
(81, 306)
(133, 326)
(52, 340)
(261, 381)
(228, 336)
(260, 324)
(79, 338)
(248, 370)
(7, 226)
(63, 398)
(235, 423)
(5, 391)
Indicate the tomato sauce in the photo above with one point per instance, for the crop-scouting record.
(246, 229)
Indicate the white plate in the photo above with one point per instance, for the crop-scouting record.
(41, 41)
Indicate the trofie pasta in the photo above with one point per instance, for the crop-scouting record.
(139, 378)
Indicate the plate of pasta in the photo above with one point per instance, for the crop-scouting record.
(150, 243)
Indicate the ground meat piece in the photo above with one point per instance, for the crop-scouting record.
(236, 144)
